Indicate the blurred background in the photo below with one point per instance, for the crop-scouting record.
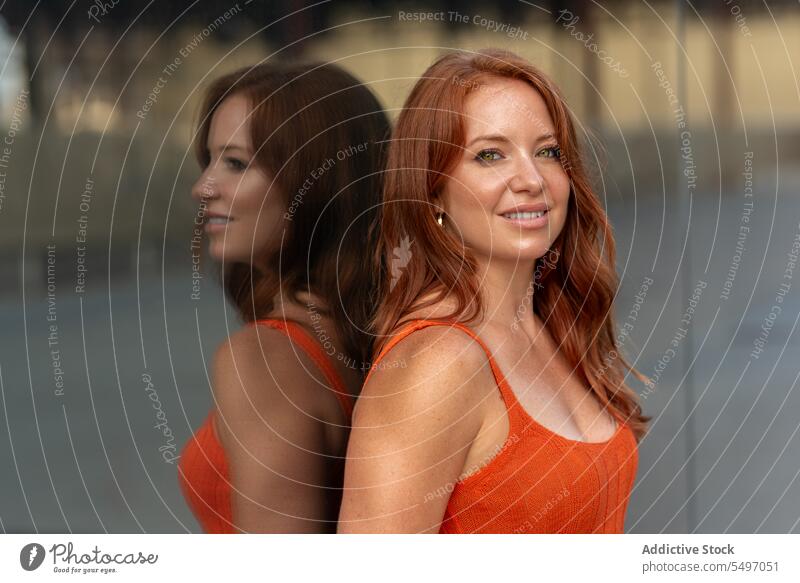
(690, 112)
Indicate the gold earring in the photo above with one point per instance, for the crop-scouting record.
(439, 218)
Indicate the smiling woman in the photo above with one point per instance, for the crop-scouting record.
(501, 421)
(287, 219)
(506, 156)
(240, 220)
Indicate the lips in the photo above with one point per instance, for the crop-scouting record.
(216, 217)
(526, 208)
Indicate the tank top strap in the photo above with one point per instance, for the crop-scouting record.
(300, 336)
(516, 416)
(406, 330)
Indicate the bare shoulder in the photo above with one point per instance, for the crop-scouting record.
(429, 367)
(258, 349)
(414, 426)
(435, 345)
(274, 440)
(259, 367)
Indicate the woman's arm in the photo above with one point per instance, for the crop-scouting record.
(413, 427)
(273, 444)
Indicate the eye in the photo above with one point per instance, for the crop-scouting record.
(235, 164)
(488, 156)
(551, 151)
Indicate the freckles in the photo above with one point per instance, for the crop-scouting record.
(557, 188)
(483, 189)
(563, 180)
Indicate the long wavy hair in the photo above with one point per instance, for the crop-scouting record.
(320, 134)
(573, 294)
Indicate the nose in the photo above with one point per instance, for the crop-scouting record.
(206, 187)
(526, 177)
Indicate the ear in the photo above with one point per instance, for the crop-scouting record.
(437, 202)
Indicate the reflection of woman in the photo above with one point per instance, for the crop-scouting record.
(496, 402)
(291, 160)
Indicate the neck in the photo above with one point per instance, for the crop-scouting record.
(290, 305)
(508, 293)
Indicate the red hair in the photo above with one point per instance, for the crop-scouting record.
(576, 301)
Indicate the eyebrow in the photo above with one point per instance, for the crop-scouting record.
(229, 147)
(502, 138)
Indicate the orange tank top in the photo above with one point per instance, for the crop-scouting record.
(539, 481)
(203, 467)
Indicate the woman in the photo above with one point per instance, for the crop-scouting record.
(496, 402)
(291, 159)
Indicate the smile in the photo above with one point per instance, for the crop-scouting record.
(530, 215)
(217, 224)
(527, 219)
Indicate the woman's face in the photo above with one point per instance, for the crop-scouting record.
(508, 194)
(242, 212)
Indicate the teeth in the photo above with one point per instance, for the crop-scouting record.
(530, 215)
(217, 220)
